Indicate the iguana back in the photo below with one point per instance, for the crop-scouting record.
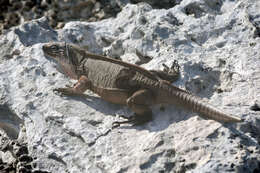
(102, 74)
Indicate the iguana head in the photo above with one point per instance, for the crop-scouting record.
(68, 56)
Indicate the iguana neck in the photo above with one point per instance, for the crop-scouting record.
(76, 61)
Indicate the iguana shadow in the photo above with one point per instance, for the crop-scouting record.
(246, 127)
(161, 119)
(97, 103)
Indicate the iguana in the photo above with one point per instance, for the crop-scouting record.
(123, 83)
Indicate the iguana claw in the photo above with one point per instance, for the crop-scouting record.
(134, 120)
(68, 92)
(62, 91)
(174, 69)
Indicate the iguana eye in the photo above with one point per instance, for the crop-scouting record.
(54, 47)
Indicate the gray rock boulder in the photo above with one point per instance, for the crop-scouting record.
(217, 45)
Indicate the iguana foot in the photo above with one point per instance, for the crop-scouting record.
(135, 120)
(68, 92)
(69, 86)
(174, 69)
(78, 88)
(169, 74)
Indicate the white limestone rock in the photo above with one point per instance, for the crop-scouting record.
(217, 46)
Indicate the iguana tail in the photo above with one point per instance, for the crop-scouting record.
(185, 99)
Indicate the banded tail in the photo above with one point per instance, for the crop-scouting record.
(196, 104)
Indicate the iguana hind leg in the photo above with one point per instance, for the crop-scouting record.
(78, 89)
(168, 74)
(140, 103)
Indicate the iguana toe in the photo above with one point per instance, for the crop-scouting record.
(68, 92)
(135, 120)
(62, 91)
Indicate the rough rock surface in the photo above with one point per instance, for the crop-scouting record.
(58, 12)
(15, 156)
(216, 43)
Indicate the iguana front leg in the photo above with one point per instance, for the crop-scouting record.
(78, 89)
(140, 103)
(112, 95)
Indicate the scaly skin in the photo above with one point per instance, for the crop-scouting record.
(127, 84)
